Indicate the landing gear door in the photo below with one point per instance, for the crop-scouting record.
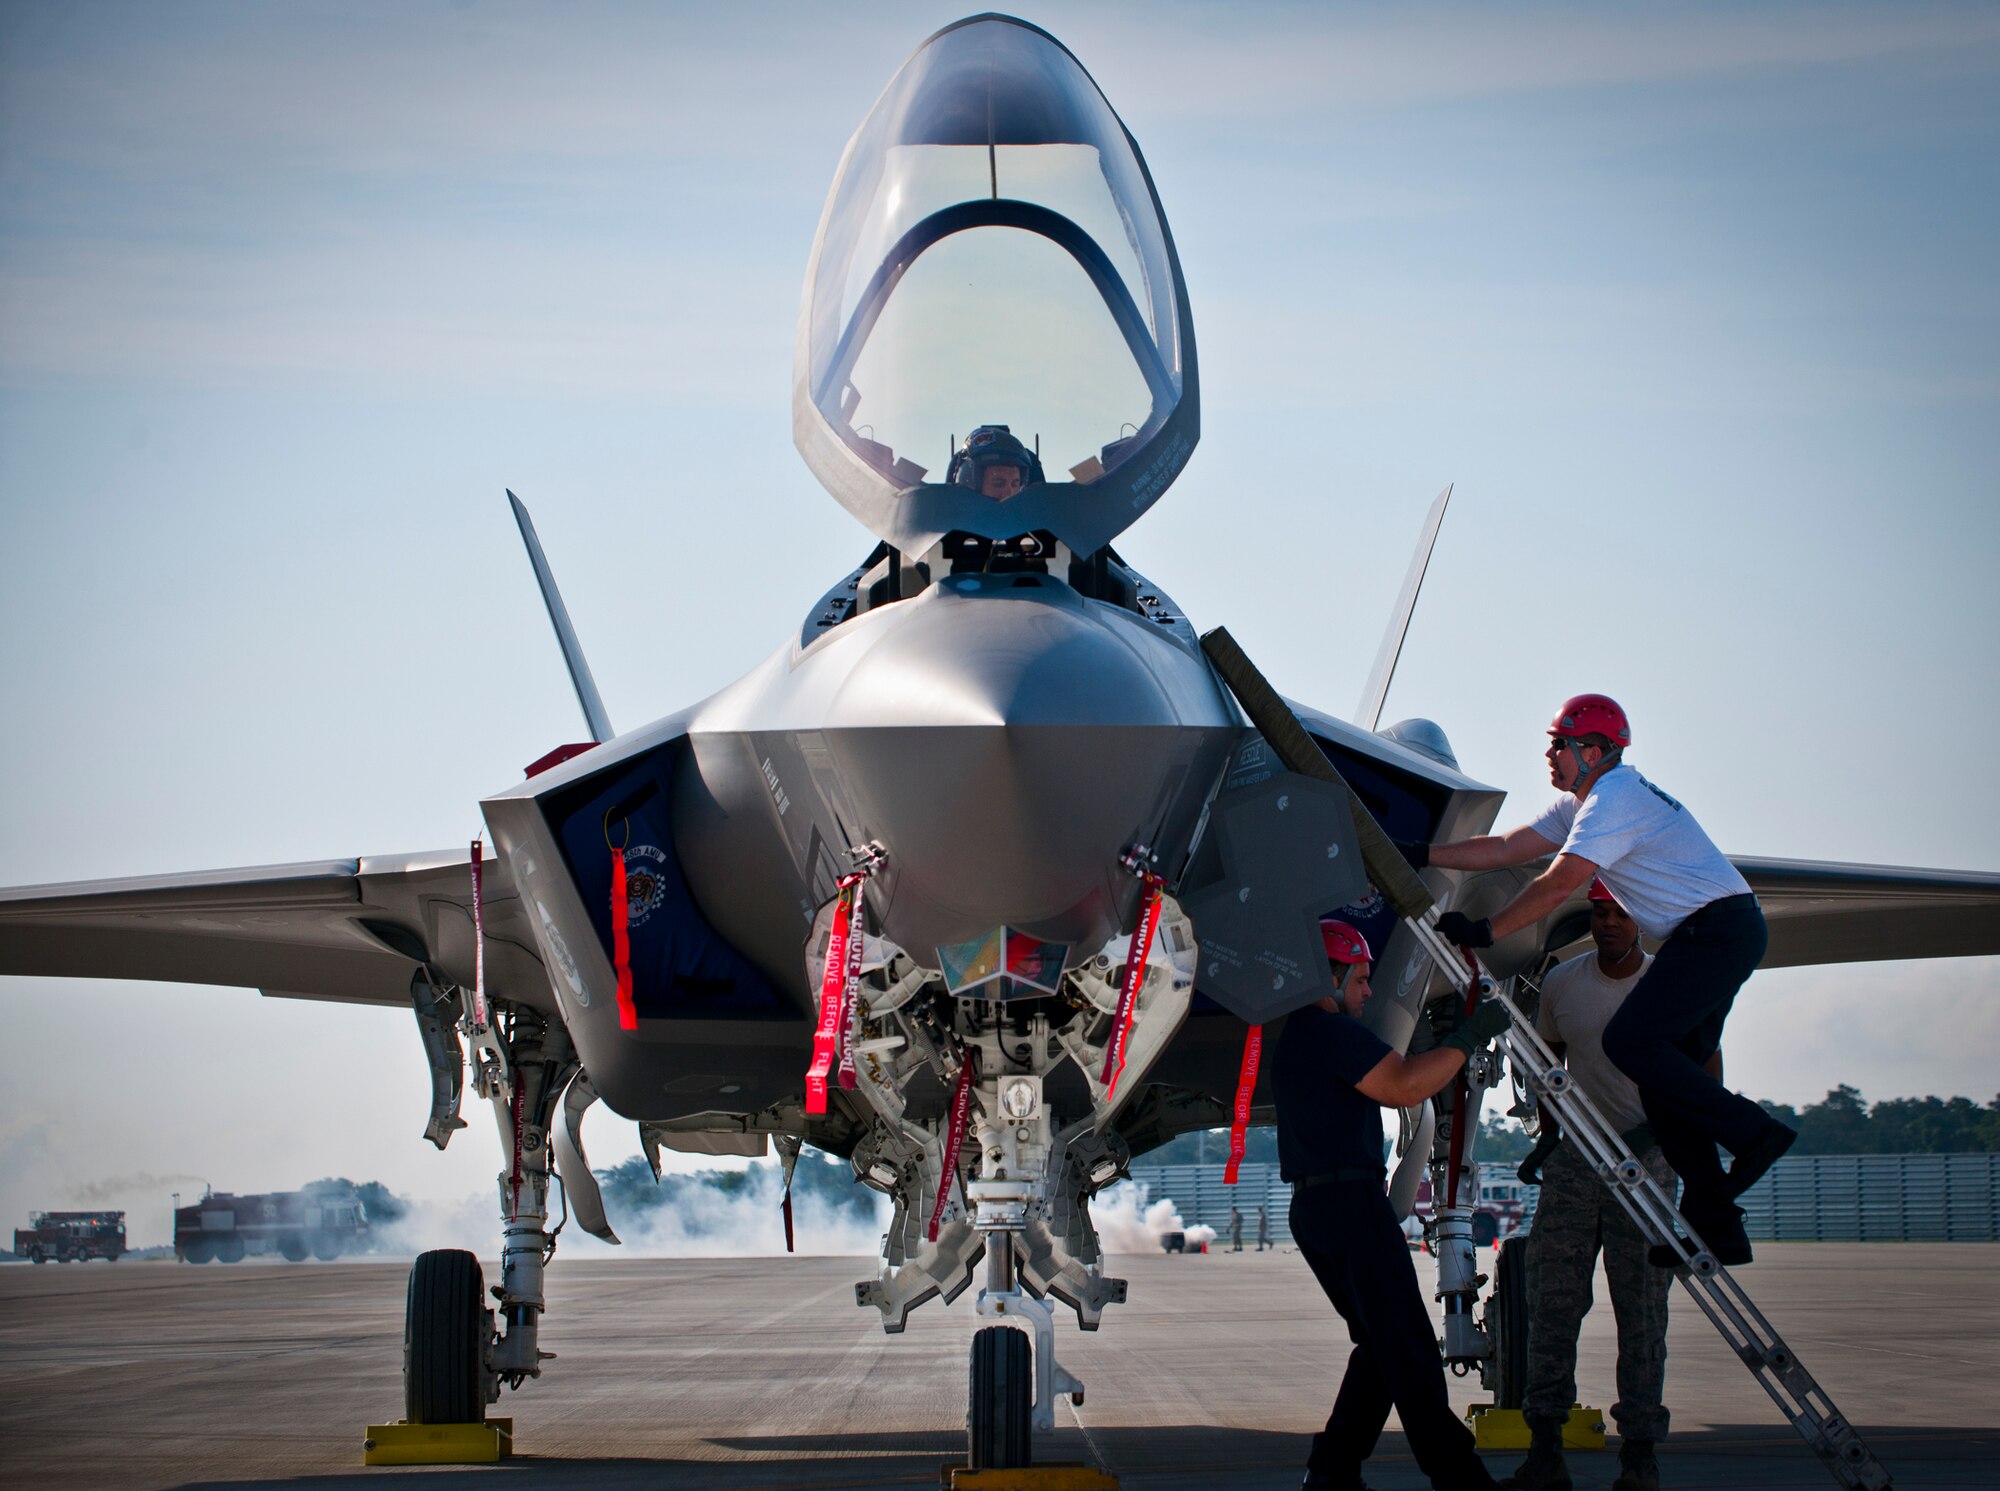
(1277, 853)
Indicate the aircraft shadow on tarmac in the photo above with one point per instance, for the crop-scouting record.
(1169, 1458)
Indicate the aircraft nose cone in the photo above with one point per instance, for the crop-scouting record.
(1022, 651)
(1006, 742)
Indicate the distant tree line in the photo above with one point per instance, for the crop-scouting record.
(1845, 1124)
(382, 1204)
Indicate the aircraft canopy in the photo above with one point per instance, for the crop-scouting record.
(992, 252)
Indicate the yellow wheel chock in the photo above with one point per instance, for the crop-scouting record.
(1054, 1477)
(1505, 1428)
(438, 1444)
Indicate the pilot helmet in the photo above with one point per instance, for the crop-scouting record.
(992, 445)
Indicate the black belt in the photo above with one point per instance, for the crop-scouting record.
(1340, 1177)
(1744, 902)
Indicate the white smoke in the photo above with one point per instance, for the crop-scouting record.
(41, 1169)
(700, 1221)
(704, 1222)
(1123, 1228)
(95, 1194)
(471, 1223)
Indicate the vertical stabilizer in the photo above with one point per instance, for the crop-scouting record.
(572, 650)
(1368, 714)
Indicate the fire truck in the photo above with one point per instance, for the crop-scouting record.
(1504, 1207)
(292, 1224)
(69, 1236)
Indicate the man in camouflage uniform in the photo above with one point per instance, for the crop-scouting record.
(1577, 1216)
(1574, 1218)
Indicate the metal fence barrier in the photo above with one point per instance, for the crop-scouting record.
(1805, 1198)
(1877, 1198)
(1201, 1198)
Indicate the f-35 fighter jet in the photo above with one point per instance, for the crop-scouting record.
(978, 879)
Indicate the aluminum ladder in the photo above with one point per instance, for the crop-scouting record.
(1741, 1324)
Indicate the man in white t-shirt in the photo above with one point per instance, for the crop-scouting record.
(1577, 1217)
(1681, 890)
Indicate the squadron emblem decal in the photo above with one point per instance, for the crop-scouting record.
(645, 885)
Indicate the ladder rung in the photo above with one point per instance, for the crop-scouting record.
(1728, 1308)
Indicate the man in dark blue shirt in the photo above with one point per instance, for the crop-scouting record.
(1333, 1077)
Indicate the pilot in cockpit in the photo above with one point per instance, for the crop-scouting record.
(994, 464)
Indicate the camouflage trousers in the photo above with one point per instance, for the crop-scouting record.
(1575, 1218)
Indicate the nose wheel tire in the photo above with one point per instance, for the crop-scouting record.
(444, 1334)
(999, 1419)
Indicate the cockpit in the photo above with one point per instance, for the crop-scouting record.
(993, 255)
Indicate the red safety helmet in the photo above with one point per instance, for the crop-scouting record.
(1599, 891)
(1593, 714)
(1343, 943)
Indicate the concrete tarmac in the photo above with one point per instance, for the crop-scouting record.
(761, 1374)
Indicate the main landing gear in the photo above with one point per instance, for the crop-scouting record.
(446, 1326)
(458, 1352)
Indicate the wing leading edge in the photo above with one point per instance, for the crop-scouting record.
(353, 931)
(1824, 912)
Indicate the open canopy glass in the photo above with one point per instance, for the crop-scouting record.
(993, 253)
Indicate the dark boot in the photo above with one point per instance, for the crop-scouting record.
(1637, 1469)
(1543, 1470)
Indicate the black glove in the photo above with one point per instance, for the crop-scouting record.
(1479, 1027)
(1462, 931)
(1530, 1173)
(1419, 855)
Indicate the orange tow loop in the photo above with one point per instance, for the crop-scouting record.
(479, 1018)
(954, 1139)
(1462, 1097)
(1246, 1084)
(1128, 996)
(833, 1039)
(621, 942)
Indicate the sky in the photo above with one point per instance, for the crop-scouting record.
(1695, 306)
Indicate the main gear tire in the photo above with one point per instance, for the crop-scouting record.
(1507, 1324)
(999, 1414)
(444, 1340)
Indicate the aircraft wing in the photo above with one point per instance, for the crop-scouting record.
(353, 930)
(1821, 912)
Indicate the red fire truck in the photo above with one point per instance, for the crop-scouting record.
(229, 1228)
(69, 1236)
(1504, 1207)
